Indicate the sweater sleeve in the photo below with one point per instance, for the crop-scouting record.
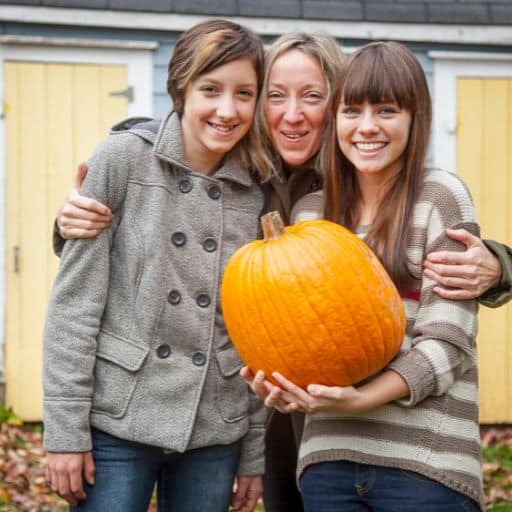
(76, 307)
(441, 333)
(502, 293)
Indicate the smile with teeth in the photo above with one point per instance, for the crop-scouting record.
(225, 128)
(369, 146)
(294, 135)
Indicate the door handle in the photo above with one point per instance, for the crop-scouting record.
(128, 93)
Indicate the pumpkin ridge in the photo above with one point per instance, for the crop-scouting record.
(305, 247)
(247, 291)
(283, 305)
(388, 331)
(368, 304)
(330, 239)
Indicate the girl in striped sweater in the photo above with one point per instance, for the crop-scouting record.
(408, 439)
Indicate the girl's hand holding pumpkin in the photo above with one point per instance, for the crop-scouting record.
(318, 398)
(257, 382)
(266, 391)
(385, 387)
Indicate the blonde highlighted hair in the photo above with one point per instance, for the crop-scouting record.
(326, 51)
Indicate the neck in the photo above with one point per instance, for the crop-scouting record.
(373, 188)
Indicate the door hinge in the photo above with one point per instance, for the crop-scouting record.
(16, 250)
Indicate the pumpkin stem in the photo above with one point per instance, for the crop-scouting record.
(272, 225)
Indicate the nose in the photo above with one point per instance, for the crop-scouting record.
(368, 122)
(294, 112)
(226, 108)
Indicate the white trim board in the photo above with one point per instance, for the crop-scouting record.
(448, 66)
(139, 65)
(420, 32)
(78, 42)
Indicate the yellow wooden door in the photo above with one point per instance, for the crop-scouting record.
(55, 115)
(484, 161)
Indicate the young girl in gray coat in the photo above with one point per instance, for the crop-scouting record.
(141, 382)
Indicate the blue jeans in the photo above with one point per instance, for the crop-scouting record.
(343, 486)
(198, 480)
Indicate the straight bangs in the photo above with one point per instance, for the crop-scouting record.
(375, 78)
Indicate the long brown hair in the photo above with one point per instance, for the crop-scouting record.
(379, 73)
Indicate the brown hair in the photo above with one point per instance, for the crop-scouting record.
(327, 53)
(379, 73)
(205, 47)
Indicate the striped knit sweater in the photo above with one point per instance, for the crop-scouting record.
(434, 431)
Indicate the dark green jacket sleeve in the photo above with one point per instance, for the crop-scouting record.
(501, 293)
(58, 241)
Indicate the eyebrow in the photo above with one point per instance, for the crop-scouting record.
(309, 85)
(218, 82)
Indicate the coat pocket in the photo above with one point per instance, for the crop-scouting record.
(118, 361)
(233, 391)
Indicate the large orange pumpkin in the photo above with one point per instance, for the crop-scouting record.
(313, 302)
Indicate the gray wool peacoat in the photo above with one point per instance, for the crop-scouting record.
(134, 342)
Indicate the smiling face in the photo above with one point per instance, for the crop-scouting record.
(218, 112)
(373, 137)
(296, 102)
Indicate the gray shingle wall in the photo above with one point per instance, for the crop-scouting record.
(333, 10)
(400, 11)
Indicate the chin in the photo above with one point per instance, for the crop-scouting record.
(295, 159)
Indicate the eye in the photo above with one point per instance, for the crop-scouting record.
(246, 93)
(314, 97)
(275, 96)
(208, 89)
(388, 110)
(350, 110)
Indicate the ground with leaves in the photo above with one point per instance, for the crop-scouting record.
(23, 487)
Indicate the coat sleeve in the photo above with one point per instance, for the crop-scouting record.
(252, 459)
(76, 307)
(442, 337)
(57, 240)
(502, 293)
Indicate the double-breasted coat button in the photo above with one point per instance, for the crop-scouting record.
(199, 358)
(178, 238)
(214, 192)
(174, 297)
(209, 245)
(163, 351)
(203, 300)
(185, 185)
